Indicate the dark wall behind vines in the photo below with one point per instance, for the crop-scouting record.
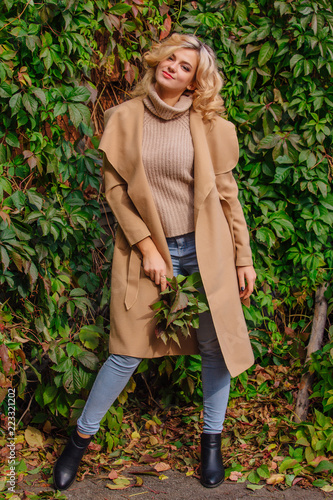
(62, 63)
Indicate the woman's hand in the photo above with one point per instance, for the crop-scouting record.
(153, 262)
(246, 278)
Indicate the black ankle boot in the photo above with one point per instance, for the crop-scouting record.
(66, 466)
(212, 470)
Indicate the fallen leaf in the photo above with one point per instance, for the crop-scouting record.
(235, 475)
(153, 440)
(33, 437)
(161, 466)
(47, 427)
(327, 488)
(120, 483)
(254, 487)
(138, 481)
(275, 479)
(162, 477)
(95, 446)
(116, 486)
(113, 475)
(122, 480)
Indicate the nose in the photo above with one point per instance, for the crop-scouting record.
(171, 66)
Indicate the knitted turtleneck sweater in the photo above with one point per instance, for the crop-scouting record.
(167, 155)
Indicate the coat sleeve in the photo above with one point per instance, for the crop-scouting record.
(224, 143)
(228, 190)
(122, 206)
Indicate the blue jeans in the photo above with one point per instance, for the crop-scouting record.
(117, 370)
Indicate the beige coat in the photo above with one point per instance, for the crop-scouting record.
(222, 240)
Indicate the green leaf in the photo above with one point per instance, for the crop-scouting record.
(266, 236)
(281, 174)
(252, 79)
(47, 57)
(4, 257)
(49, 393)
(295, 59)
(30, 104)
(80, 94)
(15, 103)
(88, 359)
(253, 477)
(32, 273)
(77, 292)
(73, 349)
(40, 94)
(17, 199)
(263, 471)
(35, 199)
(265, 54)
(324, 466)
(288, 463)
(12, 140)
(6, 186)
(254, 487)
(319, 483)
(75, 115)
(119, 9)
(89, 336)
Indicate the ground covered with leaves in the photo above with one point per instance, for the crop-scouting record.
(261, 444)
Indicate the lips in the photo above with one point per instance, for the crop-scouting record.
(167, 75)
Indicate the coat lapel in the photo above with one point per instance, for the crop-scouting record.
(122, 144)
(204, 176)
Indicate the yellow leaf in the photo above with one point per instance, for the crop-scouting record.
(275, 479)
(120, 461)
(153, 440)
(150, 423)
(33, 437)
(189, 472)
(115, 486)
(162, 477)
(122, 480)
(327, 488)
(135, 435)
(139, 481)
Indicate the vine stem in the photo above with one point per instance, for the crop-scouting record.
(315, 343)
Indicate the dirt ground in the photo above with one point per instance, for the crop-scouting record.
(175, 486)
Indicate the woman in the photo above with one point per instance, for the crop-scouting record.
(168, 160)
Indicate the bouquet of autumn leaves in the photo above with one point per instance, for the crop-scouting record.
(178, 310)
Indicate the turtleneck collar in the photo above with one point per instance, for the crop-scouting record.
(158, 107)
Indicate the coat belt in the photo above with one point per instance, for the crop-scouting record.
(133, 277)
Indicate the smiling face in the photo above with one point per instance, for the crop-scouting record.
(176, 74)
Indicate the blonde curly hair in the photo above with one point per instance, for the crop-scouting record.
(208, 82)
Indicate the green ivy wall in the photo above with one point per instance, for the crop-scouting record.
(57, 60)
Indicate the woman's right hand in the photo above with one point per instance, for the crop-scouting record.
(153, 263)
